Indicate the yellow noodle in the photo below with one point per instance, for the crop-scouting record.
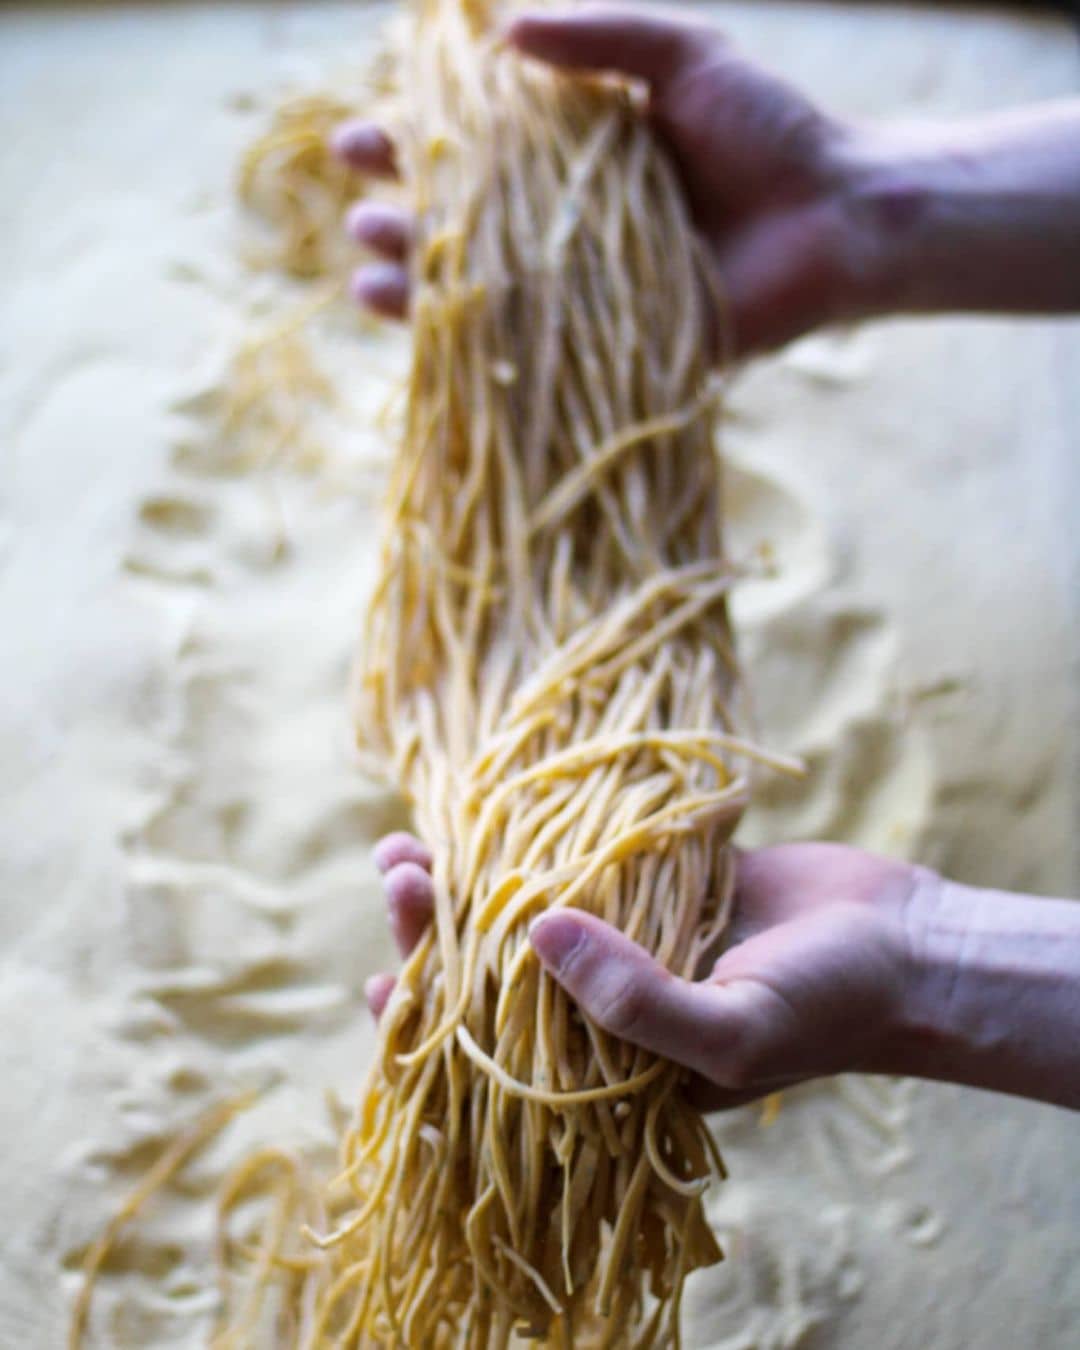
(547, 672)
(290, 179)
(172, 1161)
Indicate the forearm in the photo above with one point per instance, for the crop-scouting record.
(978, 216)
(995, 993)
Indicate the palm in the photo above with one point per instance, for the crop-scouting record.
(811, 984)
(817, 968)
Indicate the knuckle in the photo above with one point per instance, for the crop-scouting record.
(620, 1005)
(736, 1064)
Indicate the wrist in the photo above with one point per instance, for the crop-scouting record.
(973, 216)
(918, 1030)
(992, 998)
(925, 1039)
(885, 189)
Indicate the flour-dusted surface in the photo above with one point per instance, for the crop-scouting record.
(190, 904)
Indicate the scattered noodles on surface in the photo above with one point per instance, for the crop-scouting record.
(173, 1160)
(292, 183)
(268, 410)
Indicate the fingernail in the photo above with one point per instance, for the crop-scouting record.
(555, 937)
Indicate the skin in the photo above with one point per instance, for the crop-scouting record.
(808, 219)
(840, 960)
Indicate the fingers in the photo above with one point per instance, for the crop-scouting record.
(385, 228)
(643, 44)
(399, 847)
(365, 146)
(377, 991)
(410, 901)
(382, 287)
(622, 988)
(406, 865)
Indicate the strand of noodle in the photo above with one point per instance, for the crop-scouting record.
(573, 488)
(184, 1147)
(547, 666)
(532, 1273)
(554, 1099)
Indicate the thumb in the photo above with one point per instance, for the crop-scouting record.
(635, 42)
(629, 993)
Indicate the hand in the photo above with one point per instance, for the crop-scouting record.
(766, 173)
(817, 980)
